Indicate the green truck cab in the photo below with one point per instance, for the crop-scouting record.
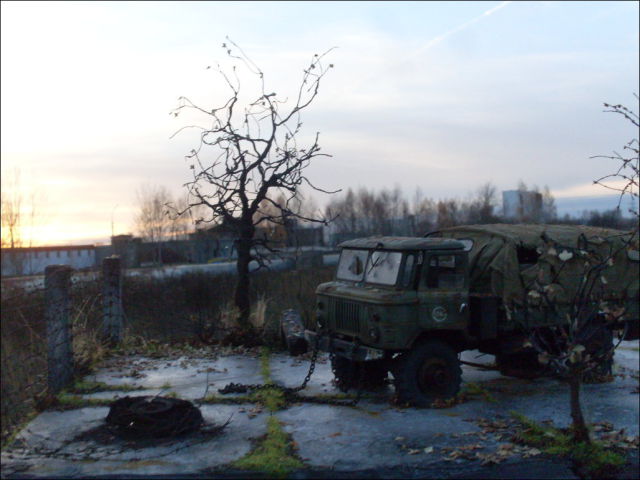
(411, 305)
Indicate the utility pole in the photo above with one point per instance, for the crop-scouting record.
(112, 213)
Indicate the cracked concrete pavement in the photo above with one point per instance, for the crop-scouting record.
(376, 436)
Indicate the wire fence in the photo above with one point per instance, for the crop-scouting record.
(52, 333)
(58, 328)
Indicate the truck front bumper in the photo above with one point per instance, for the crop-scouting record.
(344, 348)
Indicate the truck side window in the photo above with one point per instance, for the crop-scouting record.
(444, 271)
(407, 274)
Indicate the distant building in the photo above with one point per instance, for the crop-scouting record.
(522, 206)
(206, 245)
(212, 243)
(128, 248)
(33, 260)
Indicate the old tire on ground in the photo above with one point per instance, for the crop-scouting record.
(152, 417)
(428, 372)
(520, 365)
(353, 375)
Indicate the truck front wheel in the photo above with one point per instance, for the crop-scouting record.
(429, 371)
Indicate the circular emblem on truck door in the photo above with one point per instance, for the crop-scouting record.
(439, 314)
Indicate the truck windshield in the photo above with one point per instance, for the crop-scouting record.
(383, 267)
(379, 267)
(351, 266)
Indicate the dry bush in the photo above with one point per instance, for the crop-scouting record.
(258, 315)
(200, 306)
(23, 356)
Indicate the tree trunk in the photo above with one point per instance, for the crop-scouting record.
(578, 427)
(242, 299)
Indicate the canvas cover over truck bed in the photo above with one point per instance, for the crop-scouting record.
(506, 260)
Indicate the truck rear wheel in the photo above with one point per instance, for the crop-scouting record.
(429, 371)
(352, 375)
(600, 346)
(520, 365)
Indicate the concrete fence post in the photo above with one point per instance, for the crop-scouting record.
(112, 324)
(57, 282)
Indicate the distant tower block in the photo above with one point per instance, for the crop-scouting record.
(522, 206)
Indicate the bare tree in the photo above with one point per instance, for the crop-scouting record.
(12, 201)
(625, 179)
(424, 213)
(448, 213)
(480, 209)
(343, 211)
(549, 209)
(573, 285)
(153, 221)
(257, 156)
(180, 224)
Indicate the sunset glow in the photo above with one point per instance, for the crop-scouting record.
(444, 96)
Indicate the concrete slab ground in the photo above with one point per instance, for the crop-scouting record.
(373, 440)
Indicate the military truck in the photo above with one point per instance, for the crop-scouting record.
(411, 305)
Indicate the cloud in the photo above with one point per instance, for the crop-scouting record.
(589, 189)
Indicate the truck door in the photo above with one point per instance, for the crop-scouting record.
(443, 291)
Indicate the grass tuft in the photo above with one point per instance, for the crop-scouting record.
(273, 399)
(84, 386)
(274, 454)
(66, 401)
(265, 367)
(592, 459)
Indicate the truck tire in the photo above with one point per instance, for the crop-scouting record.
(428, 372)
(520, 365)
(350, 374)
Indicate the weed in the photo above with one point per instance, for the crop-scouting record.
(265, 367)
(272, 398)
(84, 387)
(591, 459)
(258, 317)
(475, 389)
(66, 401)
(274, 454)
(227, 400)
(10, 436)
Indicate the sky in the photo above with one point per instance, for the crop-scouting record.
(444, 96)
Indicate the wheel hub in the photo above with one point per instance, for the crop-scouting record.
(433, 376)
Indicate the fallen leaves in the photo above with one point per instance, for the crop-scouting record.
(464, 452)
(252, 412)
(413, 450)
(620, 439)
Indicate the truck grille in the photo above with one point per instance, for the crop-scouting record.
(346, 315)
